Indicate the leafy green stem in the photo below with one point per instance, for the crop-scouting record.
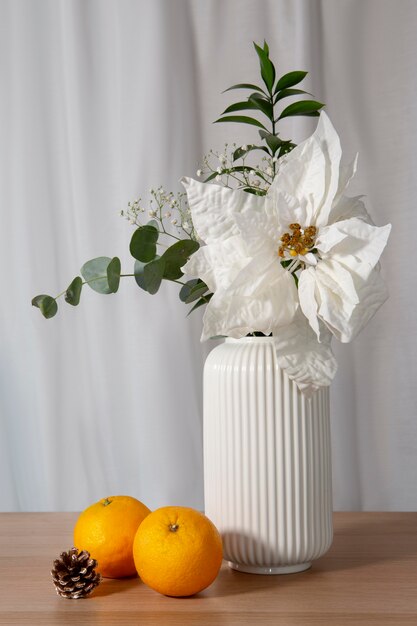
(87, 282)
(273, 132)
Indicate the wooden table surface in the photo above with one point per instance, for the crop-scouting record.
(369, 576)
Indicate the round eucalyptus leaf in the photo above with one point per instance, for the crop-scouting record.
(176, 256)
(73, 293)
(186, 289)
(113, 274)
(46, 304)
(153, 273)
(196, 292)
(139, 274)
(143, 243)
(94, 273)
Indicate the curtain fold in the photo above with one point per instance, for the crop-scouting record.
(103, 100)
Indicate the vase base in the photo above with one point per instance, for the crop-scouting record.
(282, 569)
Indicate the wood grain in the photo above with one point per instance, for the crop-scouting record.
(369, 576)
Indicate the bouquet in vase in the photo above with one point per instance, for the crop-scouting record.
(267, 239)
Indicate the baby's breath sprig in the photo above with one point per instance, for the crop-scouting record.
(235, 168)
(168, 210)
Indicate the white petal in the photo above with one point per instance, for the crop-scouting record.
(372, 294)
(306, 361)
(310, 173)
(346, 173)
(336, 278)
(301, 177)
(361, 246)
(290, 210)
(262, 271)
(308, 301)
(328, 237)
(218, 264)
(212, 208)
(330, 144)
(335, 295)
(235, 314)
(347, 208)
(308, 258)
(346, 319)
(260, 229)
(333, 310)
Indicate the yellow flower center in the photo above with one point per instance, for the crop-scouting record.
(298, 241)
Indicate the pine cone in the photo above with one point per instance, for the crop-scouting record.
(74, 574)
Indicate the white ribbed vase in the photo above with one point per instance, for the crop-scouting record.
(267, 460)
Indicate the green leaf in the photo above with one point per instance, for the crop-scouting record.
(285, 93)
(147, 279)
(289, 80)
(176, 256)
(267, 67)
(284, 149)
(266, 48)
(242, 168)
(186, 289)
(138, 271)
(143, 243)
(73, 293)
(273, 141)
(94, 273)
(241, 106)
(239, 152)
(154, 224)
(241, 119)
(246, 168)
(153, 274)
(262, 104)
(255, 191)
(245, 86)
(196, 292)
(305, 107)
(192, 290)
(113, 274)
(204, 300)
(47, 305)
(213, 175)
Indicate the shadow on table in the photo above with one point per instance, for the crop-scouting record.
(109, 586)
(360, 540)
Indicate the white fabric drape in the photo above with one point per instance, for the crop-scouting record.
(103, 99)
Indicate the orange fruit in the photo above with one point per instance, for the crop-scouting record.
(177, 551)
(107, 530)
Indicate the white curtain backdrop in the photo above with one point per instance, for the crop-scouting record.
(102, 100)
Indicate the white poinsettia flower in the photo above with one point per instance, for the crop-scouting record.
(304, 226)
(325, 238)
(249, 295)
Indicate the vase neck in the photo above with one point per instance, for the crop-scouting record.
(250, 340)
